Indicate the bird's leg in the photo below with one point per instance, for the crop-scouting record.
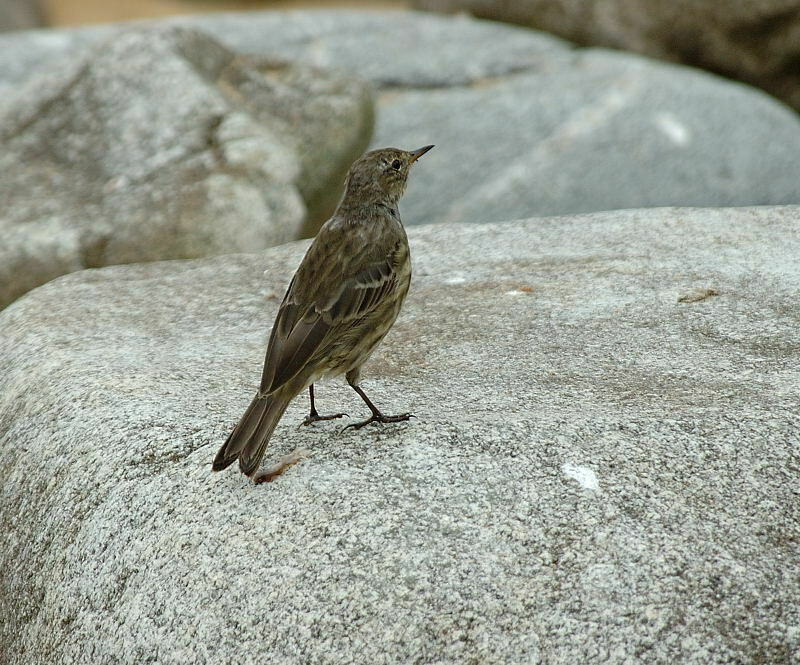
(377, 416)
(313, 416)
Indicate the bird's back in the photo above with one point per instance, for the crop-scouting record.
(345, 295)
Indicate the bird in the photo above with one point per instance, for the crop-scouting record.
(344, 297)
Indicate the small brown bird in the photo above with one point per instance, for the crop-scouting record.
(341, 302)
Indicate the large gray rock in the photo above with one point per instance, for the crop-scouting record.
(597, 130)
(162, 143)
(532, 126)
(604, 467)
(524, 123)
(434, 48)
(757, 42)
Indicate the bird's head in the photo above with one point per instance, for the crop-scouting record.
(381, 175)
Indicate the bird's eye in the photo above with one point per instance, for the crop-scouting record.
(396, 164)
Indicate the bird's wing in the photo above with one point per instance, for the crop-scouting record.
(303, 330)
(356, 296)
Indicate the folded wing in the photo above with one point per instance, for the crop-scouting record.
(305, 331)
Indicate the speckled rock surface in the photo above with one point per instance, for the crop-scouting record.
(604, 465)
(756, 41)
(161, 143)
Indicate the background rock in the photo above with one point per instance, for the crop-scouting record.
(162, 143)
(524, 123)
(755, 42)
(598, 472)
(20, 14)
(595, 131)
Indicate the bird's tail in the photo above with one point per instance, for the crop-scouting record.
(248, 440)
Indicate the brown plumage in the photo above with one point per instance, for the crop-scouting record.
(341, 302)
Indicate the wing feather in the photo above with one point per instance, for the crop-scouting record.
(302, 332)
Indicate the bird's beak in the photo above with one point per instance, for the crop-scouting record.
(416, 154)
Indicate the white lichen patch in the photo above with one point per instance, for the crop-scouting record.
(673, 129)
(585, 477)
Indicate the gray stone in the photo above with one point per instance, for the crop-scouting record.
(162, 143)
(757, 42)
(25, 55)
(603, 468)
(598, 131)
(530, 126)
(533, 126)
(20, 14)
(436, 51)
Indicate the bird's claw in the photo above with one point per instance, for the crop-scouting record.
(314, 417)
(379, 418)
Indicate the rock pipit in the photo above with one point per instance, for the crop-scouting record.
(341, 302)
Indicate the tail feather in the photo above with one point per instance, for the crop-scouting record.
(248, 440)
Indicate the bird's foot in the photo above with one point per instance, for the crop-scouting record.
(378, 417)
(314, 417)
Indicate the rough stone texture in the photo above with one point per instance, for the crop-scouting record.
(524, 123)
(599, 471)
(20, 14)
(162, 143)
(757, 42)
